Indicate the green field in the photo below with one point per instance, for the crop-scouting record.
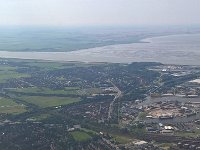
(121, 139)
(67, 91)
(46, 65)
(80, 136)
(10, 75)
(35, 90)
(45, 101)
(7, 68)
(49, 65)
(10, 107)
(90, 91)
(8, 72)
(195, 133)
(40, 117)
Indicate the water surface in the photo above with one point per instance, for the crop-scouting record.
(181, 49)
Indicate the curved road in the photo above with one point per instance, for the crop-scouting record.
(119, 93)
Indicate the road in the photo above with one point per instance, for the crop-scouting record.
(174, 82)
(114, 147)
(119, 94)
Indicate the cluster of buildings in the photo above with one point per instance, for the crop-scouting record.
(189, 144)
(140, 145)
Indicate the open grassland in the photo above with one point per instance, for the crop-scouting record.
(195, 133)
(7, 68)
(46, 65)
(122, 139)
(72, 91)
(80, 136)
(49, 65)
(10, 75)
(10, 107)
(41, 117)
(89, 131)
(9, 72)
(36, 90)
(45, 101)
(90, 91)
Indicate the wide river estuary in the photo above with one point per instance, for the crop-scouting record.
(174, 49)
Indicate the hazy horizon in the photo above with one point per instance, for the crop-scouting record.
(99, 13)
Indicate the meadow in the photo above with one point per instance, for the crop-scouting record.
(48, 101)
(8, 106)
(80, 136)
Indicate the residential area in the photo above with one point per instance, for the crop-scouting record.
(78, 105)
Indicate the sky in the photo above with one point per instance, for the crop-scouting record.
(99, 12)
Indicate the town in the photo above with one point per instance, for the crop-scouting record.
(75, 105)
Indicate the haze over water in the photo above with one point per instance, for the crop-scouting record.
(174, 49)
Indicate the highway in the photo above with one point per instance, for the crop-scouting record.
(118, 94)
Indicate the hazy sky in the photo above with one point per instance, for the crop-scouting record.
(99, 12)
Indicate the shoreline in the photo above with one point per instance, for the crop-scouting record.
(125, 53)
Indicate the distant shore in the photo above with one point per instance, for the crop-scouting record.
(177, 49)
